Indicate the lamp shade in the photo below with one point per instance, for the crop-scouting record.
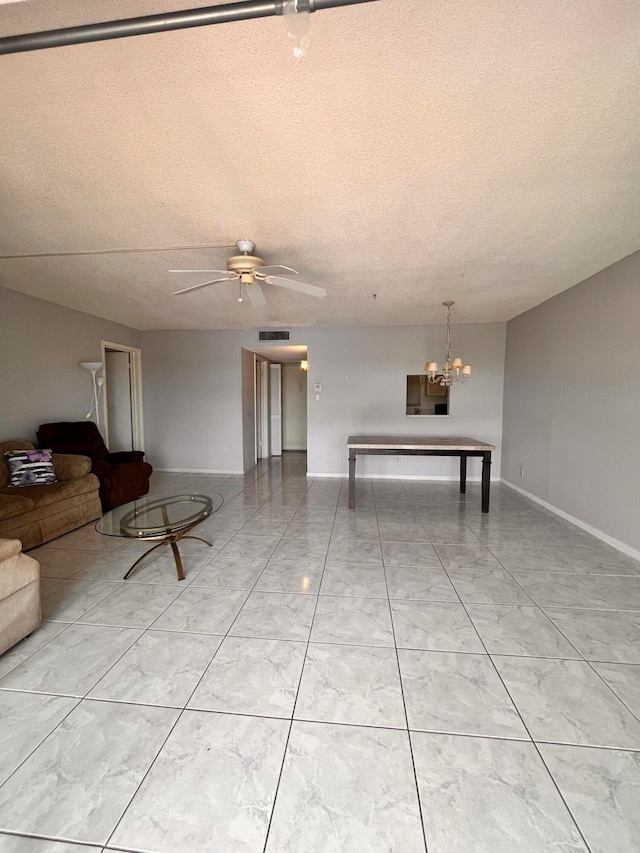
(466, 370)
(457, 362)
(431, 367)
(91, 365)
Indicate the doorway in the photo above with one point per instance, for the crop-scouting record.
(271, 404)
(122, 401)
(294, 407)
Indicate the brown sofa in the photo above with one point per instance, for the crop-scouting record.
(36, 514)
(19, 594)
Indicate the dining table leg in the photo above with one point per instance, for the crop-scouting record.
(352, 479)
(486, 480)
(463, 472)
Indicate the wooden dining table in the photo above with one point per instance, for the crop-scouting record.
(402, 445)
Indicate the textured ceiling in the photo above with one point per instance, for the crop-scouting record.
(483, 152)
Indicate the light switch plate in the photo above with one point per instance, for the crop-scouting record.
(317, 388)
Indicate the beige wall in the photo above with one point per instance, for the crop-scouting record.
(41, 347)
(572, 401)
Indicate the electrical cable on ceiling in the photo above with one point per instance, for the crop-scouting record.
(143, 25)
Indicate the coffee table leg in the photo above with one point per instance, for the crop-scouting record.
(463, 473)
(136, 565)
(178, 559)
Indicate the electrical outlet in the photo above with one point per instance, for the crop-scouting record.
(398, 459)
(522, 472)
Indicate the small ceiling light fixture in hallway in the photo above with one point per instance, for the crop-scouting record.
(181, 20)
(451, 371)
(304, 365)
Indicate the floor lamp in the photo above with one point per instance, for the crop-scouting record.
(93, 367)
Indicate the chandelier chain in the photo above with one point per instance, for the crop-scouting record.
(447, 356)
(451, 371)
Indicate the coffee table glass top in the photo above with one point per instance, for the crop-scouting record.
(158, 516)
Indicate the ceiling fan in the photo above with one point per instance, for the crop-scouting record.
(249, 271)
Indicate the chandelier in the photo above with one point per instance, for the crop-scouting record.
(452, 371)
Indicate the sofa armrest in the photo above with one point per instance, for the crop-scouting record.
(70, 467)
(9, 548)
(125, 456)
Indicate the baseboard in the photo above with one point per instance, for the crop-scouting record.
(435, 479)
(294, 449)
(599, 534)
(199, 471)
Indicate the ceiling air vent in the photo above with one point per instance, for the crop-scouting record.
(273, 336)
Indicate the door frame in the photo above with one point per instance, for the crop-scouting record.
(262, 417)
(137, 419)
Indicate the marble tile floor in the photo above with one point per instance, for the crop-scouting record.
(407, 677)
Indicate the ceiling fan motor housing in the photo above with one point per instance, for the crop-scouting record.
(244, 263)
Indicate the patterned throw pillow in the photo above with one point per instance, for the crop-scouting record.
(30, 467)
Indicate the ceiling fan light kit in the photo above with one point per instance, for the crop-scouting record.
(250, 271)
(452, 371)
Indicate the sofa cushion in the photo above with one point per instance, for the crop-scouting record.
(30, 468)
(47, 522)
(45, 495)
(11, 505)
(69, 467)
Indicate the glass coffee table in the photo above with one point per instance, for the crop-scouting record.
(164, 519)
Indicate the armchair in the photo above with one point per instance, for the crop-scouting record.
(123, 476)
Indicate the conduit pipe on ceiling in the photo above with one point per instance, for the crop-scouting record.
(208, 15)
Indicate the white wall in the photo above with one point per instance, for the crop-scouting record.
(192, 385)
(363, 371)
(41, 347)
(572, 401)
(194, 410)
(294, 407)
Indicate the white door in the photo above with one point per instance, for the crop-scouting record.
(276, 410)
(119, 410)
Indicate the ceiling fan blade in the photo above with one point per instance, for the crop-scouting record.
(198, 286)
(255, 294)
(265, 271)
(217, 272)
(309, 289)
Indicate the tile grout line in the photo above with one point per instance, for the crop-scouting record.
(293, 707)
(421, 814)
